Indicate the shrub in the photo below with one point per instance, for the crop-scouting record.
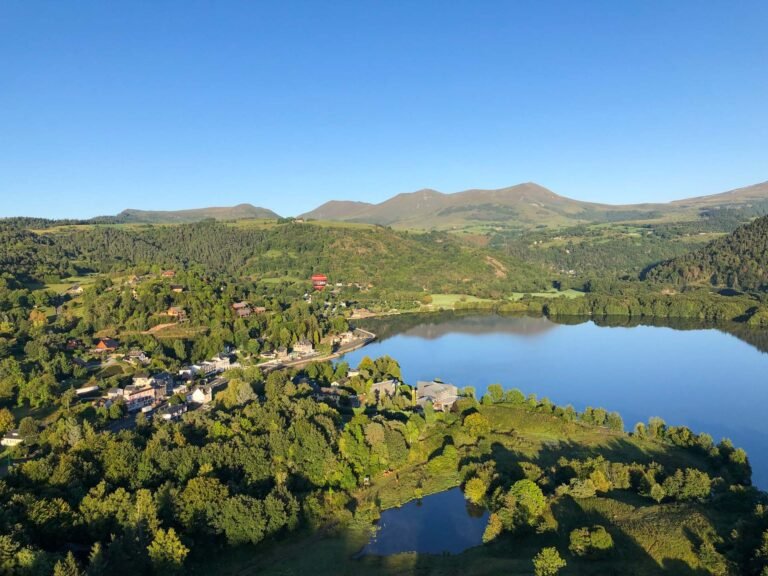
(592, 543)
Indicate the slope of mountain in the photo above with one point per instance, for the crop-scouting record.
(527, 206)
(738, 260)
(239, 212)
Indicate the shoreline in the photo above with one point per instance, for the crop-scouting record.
(370, 337)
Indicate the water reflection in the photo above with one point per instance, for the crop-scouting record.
(711, 377)
(436, 524)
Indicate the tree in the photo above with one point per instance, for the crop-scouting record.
(7, 421)
(656, 427)
(242, 520)
(688, 484)
(514, 396)
(67, 398)
(199, 502)
(28, 428)
(548, 562)
(475, 489)
(523, 505)
(496, 392)
(477, 425)
(658, 493)
(67, 567)
(494, 527)
(594, 542)
(166, 552)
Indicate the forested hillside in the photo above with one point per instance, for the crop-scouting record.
(435, 262)
(739, 260)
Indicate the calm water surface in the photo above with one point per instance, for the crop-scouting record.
(705, 378)
(442, 522)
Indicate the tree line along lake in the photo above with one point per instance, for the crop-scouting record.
(711, 378)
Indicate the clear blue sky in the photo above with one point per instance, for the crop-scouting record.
(163, 105)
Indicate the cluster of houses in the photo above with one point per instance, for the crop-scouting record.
(151, 393)
(216, 365)
(244, 309)
(299, 351)
(441, 396)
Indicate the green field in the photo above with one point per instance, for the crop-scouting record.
(450, 300)
(548, 294)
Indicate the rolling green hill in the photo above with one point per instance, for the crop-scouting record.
(239, 212)
(738, 260)
(419, 263)
(529, 206)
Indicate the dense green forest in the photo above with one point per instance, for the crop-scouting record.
(738, 261)
(435, 262)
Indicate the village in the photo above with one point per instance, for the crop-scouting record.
(148, 393)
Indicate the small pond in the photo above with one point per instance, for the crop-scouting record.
(440, 523)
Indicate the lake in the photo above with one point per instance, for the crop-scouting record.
(712, 379)
(443, 522)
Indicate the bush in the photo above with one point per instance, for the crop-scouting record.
(592, 543)
(548, 562)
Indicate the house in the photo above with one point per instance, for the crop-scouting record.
(217, 364)
(281, 353)
(136, 397)
(243, 312)
(268, 354)
(74, 344)
(165, 379)
(106, 345)
(442, 396)
(259, 309)
(86, 390)
(12, 438)
(304, 347)
(137, 357)
(142, 381)
(336, 396)
(172, 412)
(177, 312)
(189, 372)
(177, 288)
(201, 394)
(331, 395)
(242, 309)
(168, 273)
(346, 337)
(74, 290)
(179, 390)
(384, 388)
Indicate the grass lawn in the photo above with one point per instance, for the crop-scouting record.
(66, 283)
(570, 293)
(450, 300)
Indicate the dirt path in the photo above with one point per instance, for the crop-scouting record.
(498, 268)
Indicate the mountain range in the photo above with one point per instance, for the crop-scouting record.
(239, 212)
(525, 205)
(522, 206)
